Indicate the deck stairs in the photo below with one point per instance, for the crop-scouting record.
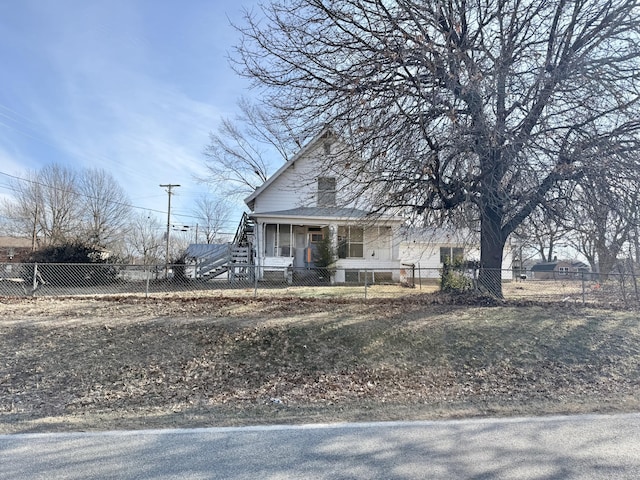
(236, 258)
(241, 261)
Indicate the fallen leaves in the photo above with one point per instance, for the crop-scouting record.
(294, 352)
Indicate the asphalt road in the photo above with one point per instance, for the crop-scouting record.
(578, 447)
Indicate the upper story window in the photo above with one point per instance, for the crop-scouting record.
(326, 191)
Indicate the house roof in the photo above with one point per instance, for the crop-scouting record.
(327, 213)
(204, 250)
(544, 267)
(325, 133)
(550, 266)
(15, 242)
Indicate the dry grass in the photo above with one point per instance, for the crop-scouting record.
(134, 363)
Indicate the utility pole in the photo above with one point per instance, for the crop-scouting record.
(169, 187)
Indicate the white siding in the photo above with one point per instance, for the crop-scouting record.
(297, 186)
(426, 256)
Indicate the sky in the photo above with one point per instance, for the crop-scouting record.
(130, 86)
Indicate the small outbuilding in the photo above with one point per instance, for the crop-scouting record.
(559, 269)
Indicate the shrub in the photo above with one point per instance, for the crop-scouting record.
(453, 278)
(71, 264)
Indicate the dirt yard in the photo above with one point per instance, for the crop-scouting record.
(130, 362)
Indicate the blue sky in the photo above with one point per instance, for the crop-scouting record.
(131, 86)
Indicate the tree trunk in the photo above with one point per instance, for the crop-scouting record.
(492, 242)
(607, 258)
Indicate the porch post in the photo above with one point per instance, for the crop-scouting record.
(333, 236)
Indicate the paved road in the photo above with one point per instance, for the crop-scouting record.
(580, 447)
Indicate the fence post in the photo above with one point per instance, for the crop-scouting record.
(35, 279)
(255, 281)
(583, 289)
(365, 283)
(147, 273)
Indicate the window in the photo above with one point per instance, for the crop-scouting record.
(316, 237)
(326, 191)
(448, 254)
(284, 241)
(350, 242)
(563, 270)
(277, 240)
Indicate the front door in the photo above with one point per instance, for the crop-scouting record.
(300, 246)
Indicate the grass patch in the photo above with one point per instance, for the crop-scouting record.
(96, 364)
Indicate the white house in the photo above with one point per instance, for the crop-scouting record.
(313, 213)
(307, 207)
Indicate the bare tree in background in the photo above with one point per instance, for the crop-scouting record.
(45, 205)
(59, 216)
(105, 207)
(603, 218)
(215, 214)
(240, 153)
(21, 214)
(466, 105)
(57, 204)
(543, 232)
(145, 238)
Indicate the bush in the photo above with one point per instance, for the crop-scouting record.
(71, 264)
(453, 278)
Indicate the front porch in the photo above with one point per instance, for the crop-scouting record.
(347, 250)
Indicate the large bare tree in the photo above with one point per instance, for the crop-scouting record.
(486, 106)
(57, 204)
(105, 207)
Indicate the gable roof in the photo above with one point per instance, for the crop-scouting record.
(551, 266)
(326, 132)
(544, 267)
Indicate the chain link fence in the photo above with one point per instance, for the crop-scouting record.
(60, 280)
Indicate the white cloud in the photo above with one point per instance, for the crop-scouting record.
(115, 93)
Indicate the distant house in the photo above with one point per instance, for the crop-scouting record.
(15, 249)
(559, 269)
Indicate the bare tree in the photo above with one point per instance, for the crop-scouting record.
(57, 204)
(146, 238)
(215, 213)
(45, 205)
(105, 207)
(466, 105)
(240, 154)
(603, 217)
(21, 213)
(59, 216)
(543, 232)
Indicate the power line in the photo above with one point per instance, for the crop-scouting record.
(137, 207)
(92, 197)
